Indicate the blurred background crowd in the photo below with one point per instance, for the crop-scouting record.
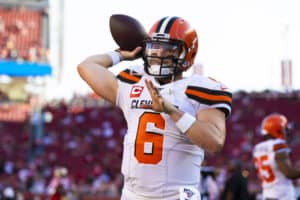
(78, 144)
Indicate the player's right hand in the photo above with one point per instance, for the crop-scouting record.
(130, 55)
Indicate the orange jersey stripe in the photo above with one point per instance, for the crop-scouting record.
(210, 97)
(129, 76)
(280, 146)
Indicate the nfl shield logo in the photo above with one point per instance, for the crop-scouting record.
(189, 193)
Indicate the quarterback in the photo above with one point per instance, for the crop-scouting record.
(172, 120)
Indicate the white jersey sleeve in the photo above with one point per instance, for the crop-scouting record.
(209, 93)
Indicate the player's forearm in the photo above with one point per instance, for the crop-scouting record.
(207, 136)
(203, 134)
(110, 58)
(102, 60)
(285, 165)
(293, 173)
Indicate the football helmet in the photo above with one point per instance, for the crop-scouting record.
(170, 48)
(275, 125)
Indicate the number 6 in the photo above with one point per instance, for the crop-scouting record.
(152, 139)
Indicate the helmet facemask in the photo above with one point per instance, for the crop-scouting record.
(163, 57)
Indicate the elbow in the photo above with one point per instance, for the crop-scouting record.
(215, 148)
(212, 147)
(80, 69)
(217, 144)
(291, 175)
(217, 139)
(219, 148)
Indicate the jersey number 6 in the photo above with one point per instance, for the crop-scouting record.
(149, 145)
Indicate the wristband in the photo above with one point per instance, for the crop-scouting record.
(185, 122)
(115, 57)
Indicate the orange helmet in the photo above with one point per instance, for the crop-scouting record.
(275, 125)
(176, 36)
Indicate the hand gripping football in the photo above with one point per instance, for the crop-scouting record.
(126, 31)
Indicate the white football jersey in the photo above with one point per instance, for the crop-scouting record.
(157, 158)
(274, 183)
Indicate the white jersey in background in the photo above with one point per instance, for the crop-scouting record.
(159, 160)
(274, 183)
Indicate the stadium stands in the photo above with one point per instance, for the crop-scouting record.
(21, 35)
(85, 137)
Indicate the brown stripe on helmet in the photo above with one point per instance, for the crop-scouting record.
(160, 23)
(170, 23)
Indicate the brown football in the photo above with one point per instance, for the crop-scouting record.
(126, 31)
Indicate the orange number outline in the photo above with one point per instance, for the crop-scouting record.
(261, 166)
(151, 137)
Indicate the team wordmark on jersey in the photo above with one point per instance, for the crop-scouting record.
(136, 103)
(136, 91)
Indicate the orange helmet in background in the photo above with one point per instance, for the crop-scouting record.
(275, 125)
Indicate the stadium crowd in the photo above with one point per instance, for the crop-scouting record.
(21, 35)
(78, 144)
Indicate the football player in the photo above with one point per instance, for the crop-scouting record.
(272, 161)
(171, 120)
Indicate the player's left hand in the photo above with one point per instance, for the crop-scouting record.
(159, 104)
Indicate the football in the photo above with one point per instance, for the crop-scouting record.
(126, 31)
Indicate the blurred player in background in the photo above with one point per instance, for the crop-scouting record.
(208, 185)
(171, 120)
(236, 185)
(272, 159)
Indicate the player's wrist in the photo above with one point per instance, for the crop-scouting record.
(185, 122)
(115, 56)
(170, 110)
